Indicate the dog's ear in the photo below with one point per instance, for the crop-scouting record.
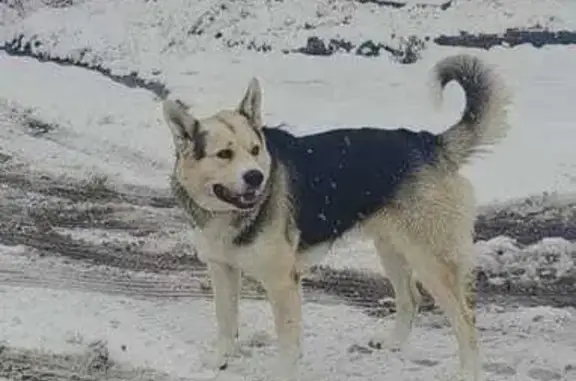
(181, 123)
(251, 104)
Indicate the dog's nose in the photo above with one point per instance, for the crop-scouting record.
(253, 178)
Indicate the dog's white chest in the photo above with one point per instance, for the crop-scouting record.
(217, 246)
(214, 243)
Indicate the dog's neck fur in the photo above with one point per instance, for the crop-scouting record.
(242, 224)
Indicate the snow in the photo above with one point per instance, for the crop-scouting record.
(105, 127)
(98, 129)
(116, 131)
(93, 130)
(549, 258)
(500, 259)
(175, 336)
(152, 35)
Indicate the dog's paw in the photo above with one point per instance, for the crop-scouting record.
(393, 341)
(221, 363)
(288, 363)
(216, 361)
(225, 351)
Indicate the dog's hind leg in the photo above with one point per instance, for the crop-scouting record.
(437, 251)
(407, 295)
(448, 282)
(226, 283)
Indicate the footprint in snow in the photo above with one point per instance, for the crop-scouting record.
(426, 362)
(501, 369)
(542, 374)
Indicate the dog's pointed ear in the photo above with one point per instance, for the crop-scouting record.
(251, 104)
(178, 119)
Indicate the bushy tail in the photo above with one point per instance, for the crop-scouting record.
(484, 120)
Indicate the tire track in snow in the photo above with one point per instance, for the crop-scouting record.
(136, 245)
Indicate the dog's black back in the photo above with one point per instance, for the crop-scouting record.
(339, 177)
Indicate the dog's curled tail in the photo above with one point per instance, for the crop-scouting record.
(484, 121)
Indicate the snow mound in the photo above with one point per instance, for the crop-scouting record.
(550, 260)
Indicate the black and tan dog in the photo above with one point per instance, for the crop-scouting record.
(261, 199)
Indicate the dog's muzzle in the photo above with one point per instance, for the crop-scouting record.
(244, 200)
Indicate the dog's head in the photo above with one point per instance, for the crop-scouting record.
(222, 160)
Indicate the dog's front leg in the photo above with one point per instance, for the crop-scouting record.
(284, 293)
(226, 283)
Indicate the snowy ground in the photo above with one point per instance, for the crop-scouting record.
(98, 280)
(172, 337)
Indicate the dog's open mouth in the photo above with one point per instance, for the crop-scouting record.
(245, 200)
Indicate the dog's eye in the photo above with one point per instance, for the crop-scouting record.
(255, 151)
(225, 154)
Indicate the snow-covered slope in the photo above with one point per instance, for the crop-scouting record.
(149, 35)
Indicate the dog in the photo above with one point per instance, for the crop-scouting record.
(261, 199)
